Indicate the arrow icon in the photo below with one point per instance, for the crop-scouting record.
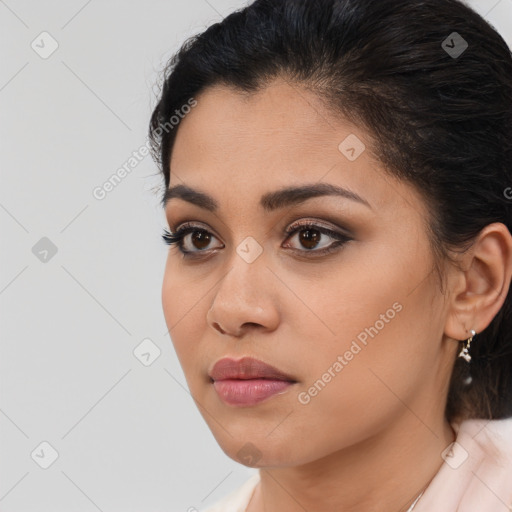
(44, 455)
(44, 250)
(146, 352)
(249, 252)
(249, 454)
(454, 45)
(351, 147)
(44, 44)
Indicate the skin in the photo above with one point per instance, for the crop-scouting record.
(378, 427)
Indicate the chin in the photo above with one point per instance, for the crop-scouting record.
(257, 450)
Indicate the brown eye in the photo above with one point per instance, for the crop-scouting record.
(200, 239)
(309, 238)
(190, 240)
(314, 240)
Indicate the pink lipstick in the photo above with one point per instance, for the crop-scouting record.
(248, 381)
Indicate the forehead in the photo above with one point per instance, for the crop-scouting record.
(281, 118)
(234, 143)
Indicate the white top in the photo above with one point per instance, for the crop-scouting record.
(237, 500)
(476, 475)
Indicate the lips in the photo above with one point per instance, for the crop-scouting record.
(246, 368)
(247, 381)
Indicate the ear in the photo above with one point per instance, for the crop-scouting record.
(479, 289)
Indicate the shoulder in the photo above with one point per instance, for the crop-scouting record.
(237, 500)
(488, 440)
(476, 470)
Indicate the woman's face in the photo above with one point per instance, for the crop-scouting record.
(359, 329)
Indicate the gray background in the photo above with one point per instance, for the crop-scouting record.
(127, 433)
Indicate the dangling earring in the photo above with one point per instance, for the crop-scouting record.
(464, 353)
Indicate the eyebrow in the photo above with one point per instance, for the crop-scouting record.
(270, 201)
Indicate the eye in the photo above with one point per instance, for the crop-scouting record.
(199, 241)
(311, 237)
(315, 238)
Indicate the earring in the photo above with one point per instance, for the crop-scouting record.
(464, 353)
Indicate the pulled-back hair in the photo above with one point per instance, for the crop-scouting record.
(437, 118)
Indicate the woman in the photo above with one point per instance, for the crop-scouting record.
(338, 193)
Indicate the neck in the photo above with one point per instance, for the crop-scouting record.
(384, 473)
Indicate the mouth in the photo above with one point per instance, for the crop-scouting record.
(248, 381)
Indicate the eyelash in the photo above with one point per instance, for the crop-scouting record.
(177, 238)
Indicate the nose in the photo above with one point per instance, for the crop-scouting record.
(245, 300)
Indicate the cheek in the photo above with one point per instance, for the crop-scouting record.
(381, 296)
(378, 343)
(376, 380)
(184, 306)
(170, 298)
(353, 390)
(184, 293)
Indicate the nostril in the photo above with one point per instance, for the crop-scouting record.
(218, 327)
(252, 324)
